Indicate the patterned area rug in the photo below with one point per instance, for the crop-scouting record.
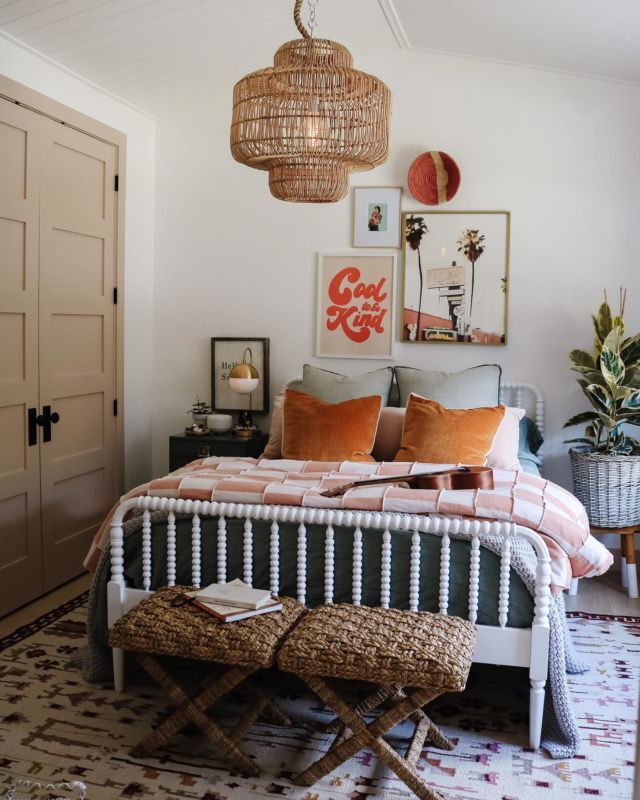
(54, 726)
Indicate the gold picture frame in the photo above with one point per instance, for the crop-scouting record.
(455, 277)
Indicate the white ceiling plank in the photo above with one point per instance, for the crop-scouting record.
(123, 27)
(17, 9)
(190, 17)
(83, 20)
(170, 46)
(59, 12)
(177, 63)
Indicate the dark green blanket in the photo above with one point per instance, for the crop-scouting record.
(521, 602)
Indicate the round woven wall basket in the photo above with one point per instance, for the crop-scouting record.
(608, 487)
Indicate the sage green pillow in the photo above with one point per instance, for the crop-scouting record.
(332, 387)
(471, 388)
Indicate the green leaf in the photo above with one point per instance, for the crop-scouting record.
(581, 358)
(618, 322)
(632, 377)
(579, 419)
(580, 440)
(611, 365)
(630, 351)
(604, 323)
(631, 401)
(612, 341)
(600, 398)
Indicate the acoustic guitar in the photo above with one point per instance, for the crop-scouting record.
(458, 478)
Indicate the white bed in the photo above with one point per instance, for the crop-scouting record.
(497, 644)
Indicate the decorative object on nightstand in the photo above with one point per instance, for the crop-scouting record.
(199, 411)
(606, 465)
(219, 423)
(184, 448)
(243, 379)
(311, 119)
(240, 379)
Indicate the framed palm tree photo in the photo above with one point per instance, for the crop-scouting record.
(456, 272)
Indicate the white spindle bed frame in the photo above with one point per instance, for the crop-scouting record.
(499, 644)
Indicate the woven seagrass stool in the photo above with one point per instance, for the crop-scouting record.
(412, 657)
(156, 628)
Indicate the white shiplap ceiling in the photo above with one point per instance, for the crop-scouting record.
(149, 51)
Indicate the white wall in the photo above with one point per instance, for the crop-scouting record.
(559, 151)
(44, 76)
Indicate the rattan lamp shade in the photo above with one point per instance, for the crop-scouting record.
(310, 120)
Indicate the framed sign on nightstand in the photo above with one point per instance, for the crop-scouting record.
(226, 353)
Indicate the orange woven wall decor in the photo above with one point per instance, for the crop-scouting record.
(310, 120)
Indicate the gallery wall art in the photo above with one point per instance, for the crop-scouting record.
(376, 216)
(355, 305)
(456, 266)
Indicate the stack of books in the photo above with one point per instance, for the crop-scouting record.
(233, 601)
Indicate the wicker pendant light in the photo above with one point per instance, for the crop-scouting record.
(310, 120)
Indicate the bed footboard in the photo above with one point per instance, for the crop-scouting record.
(501, 644)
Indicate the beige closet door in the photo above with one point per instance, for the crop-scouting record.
(77, 344)
(20, 544)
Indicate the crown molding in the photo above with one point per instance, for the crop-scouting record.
(95, 86)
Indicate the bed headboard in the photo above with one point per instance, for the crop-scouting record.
(512, 393)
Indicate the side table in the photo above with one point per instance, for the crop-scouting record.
(184, 448)
(627, 562)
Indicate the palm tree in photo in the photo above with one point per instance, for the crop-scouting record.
(415, 229)
(471, 245)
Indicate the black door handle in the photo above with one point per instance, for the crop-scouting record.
(32, 420)
(45, 420)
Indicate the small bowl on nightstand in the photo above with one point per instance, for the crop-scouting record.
(219, 423)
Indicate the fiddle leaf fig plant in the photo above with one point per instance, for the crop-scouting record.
(610, 379)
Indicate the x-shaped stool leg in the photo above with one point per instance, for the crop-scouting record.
(358, 734)
(194, 709)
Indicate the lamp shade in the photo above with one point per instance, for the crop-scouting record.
(243, 378)
(310, 120)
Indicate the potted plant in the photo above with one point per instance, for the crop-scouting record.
(199, 411)
(606, 467)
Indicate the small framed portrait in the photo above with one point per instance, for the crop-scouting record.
(226, 352)
(376, 216)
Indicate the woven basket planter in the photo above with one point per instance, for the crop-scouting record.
(608, 487)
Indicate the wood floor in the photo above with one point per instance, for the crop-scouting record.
(40, 606)
(603, 595)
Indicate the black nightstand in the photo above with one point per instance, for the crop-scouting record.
(183, 448)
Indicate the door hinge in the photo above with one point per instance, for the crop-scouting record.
(116, 183)
(115, 408)
(115, 295)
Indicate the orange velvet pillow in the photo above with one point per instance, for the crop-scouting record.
(434, 434)
(317, 431)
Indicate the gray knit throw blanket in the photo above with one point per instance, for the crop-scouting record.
(559, 727)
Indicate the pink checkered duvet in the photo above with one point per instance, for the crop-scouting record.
(518, 497)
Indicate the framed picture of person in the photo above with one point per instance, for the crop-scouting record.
(376, 216)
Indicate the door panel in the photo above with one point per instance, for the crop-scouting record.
(20, 535)
(77, 337)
